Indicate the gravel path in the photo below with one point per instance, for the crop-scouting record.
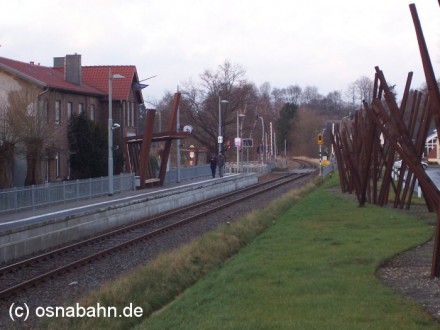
(409, 273)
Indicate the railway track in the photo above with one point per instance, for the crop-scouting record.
(18, 276)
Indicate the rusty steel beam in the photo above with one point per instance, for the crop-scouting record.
(338, 147)
(393, 126)
(144, 156)
(431, 81)
(167, 147)
(360, 156)
(434, 95)
(137, 148)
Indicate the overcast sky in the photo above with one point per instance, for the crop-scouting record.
(321, 43)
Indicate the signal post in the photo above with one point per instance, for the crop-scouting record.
(320, 141)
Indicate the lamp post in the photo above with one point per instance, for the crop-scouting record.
(178, 143)
(178, 158)
(262, 138)
(110, 130)
(238, 140)
(220, 137)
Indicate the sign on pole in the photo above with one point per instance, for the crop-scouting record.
(320, 139)
(247, 142)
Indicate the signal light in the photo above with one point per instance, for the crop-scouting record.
(320, 139)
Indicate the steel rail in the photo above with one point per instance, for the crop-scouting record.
(272, 184)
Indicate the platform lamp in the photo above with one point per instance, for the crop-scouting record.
(182, 92)
(262, 138)
(220, 137)
(110, 129)
(238, 140)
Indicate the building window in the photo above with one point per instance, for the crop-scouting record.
(46, 110)
(58, 164)
(127, 111)
(92, 112)
(129, 114)
(124, 112)
(80, 108)
(69, 110)
(132, 114)
(57, 112)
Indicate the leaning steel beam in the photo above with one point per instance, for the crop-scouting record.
(434, 94)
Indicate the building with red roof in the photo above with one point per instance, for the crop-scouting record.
(69, 88)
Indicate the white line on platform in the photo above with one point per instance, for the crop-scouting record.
(94, 205)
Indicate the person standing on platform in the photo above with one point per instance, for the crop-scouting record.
(213, 164)
(221, 164)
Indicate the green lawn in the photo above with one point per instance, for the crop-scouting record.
(307, 261)
(314, 269)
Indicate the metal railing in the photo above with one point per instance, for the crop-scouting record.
(187, 173)
(31, 197)
(249, 167)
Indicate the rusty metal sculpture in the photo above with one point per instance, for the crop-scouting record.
(367, 147)
(137, 150)
(434, 95)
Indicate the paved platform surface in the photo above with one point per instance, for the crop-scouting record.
(84, 205)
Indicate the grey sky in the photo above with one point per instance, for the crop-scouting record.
(327, 44)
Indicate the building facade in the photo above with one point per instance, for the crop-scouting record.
(56, 93)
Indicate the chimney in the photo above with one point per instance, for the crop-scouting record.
(72, 67)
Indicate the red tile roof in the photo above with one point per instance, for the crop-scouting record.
(98, 77)
(94, 78)
(45, 76)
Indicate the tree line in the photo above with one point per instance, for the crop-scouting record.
(294, 115)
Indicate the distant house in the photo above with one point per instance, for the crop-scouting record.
(432, 148)
(69, 88)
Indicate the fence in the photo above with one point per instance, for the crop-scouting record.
(193, 172)
(250, 167)
(31, 197)
(187, 173)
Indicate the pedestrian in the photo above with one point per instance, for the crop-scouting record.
(221, 164)
(213, 164)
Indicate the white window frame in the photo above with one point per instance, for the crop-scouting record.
(57, 112)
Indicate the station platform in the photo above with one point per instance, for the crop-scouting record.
(26, 232)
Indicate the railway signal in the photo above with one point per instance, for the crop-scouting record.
(320, 139)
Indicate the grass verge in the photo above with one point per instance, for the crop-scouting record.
(314, 268)
(155, 285)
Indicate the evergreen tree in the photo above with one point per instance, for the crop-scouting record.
(88, 147)
(284, 125)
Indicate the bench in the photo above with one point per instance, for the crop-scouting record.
(151, 182)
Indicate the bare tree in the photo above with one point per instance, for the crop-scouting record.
(307, 125)
(360, 90)
(310, 95)
(351, 94)
(201, 104)
(28, 120)
(290, 94)
(333, 107)
(7, 146)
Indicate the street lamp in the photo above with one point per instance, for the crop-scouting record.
(262, 138)
(110, 130)
(178, 140)
(220, 137)
(238, 140)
